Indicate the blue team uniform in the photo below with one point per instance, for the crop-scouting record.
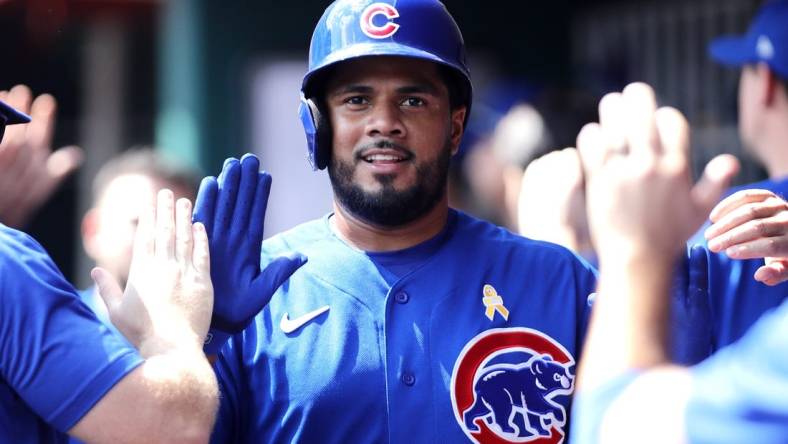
(737, 299)
(56, 359)
(472, 335)
(741, 393)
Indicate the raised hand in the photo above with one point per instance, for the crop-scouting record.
(552, 205)
(168, 299)
(753, 224)
(233, 211)
(639, 192)
(29, 170)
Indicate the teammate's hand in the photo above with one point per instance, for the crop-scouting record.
(691, 325)
(168, 298)
(29, 170)
(552, 202)
(640, 197)
(752, 224)
(233, 211)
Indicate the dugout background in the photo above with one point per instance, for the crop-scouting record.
(180, 74)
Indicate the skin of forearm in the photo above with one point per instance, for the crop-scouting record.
(184, 392)
(182, 380)
(628, 325)
(171, 398)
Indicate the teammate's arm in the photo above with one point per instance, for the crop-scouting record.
(642, 208)
(165, 312)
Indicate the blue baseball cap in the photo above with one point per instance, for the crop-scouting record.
(766, 41)
(10, 116)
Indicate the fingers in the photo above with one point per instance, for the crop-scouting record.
(183, 231)
(108, 288)
(641, 106)
(165, 225)
(228, 194)
(750, 221)
(761, 247)
(275, 274)
(592, 148)
(673, 132)
(774, 272)
(144, 239)
(63, 162)
(201, 258)
(738, 199)
(715, 180)
(698, 269)
(257, 216)
(612, 120)
(247, 188)
(205, 204)
(42, 124)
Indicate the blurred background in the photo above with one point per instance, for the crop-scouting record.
(205, 79)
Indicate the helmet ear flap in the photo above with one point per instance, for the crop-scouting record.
(318, 132)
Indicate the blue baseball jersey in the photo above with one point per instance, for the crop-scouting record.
(56, 359)
(476, 342)
(737, 299)
(92, 298)
(741, 393)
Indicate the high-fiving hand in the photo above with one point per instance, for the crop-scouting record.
(168, 298)
(233, 211)
(639, 191)
(29, 170)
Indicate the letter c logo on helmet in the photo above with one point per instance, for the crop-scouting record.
(378, 32)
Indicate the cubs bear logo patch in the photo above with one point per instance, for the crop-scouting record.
(504, 385)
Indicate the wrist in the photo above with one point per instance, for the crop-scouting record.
(170, 339)
(214, 341)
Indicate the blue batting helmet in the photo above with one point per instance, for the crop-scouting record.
(10, 116)
(350, 29)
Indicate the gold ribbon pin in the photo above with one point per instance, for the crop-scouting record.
(493, 302)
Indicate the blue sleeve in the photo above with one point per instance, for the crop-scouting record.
(589, 407)
(227, 368)
(585, 281)
(740, 394)
(54, 353)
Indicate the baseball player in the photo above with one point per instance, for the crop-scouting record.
(627, 389)
(62, 371)
(749, 234)
(410, 321)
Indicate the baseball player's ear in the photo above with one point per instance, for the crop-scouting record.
(770, 83)
(457, 127)
(89, 229)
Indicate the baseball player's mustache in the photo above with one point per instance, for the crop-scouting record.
(360, 152)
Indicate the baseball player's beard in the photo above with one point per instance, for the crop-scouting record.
(390, 207)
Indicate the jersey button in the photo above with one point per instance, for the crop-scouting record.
(401, 297)
(408, 379)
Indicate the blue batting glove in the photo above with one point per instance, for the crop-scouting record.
(232, 209)
(691, 319)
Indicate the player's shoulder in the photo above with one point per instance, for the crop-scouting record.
(26, 268)
(18, 248)
(494, 239)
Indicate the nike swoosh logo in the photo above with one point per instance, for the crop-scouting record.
(290, 325)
